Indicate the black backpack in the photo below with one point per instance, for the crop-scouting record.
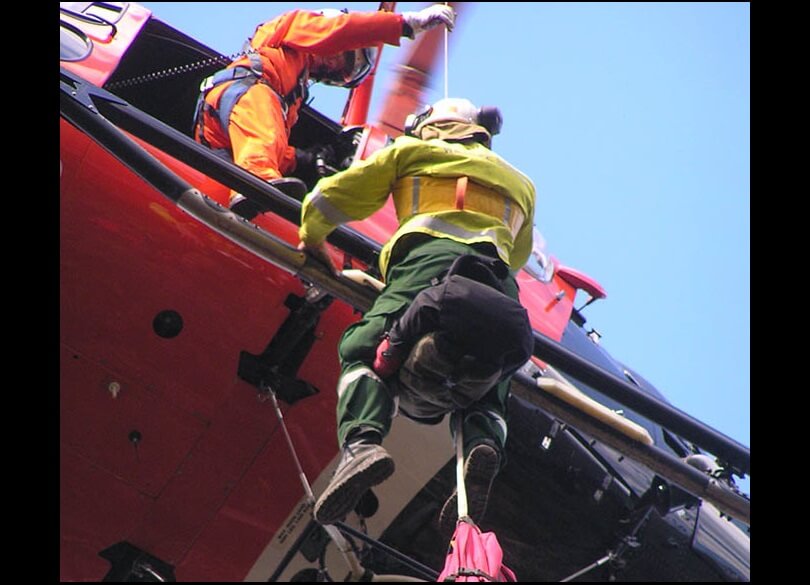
(463, 335)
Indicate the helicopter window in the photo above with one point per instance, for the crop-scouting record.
(100, 13)
(73, 43)
(101, 17)
(538, 265)
(109, 12)
(676, 444)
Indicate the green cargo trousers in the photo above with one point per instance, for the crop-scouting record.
(363, 398)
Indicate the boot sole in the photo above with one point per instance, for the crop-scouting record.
(335, 503)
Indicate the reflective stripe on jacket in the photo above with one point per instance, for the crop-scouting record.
(363, 188)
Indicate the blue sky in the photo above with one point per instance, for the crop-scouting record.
(633, 120)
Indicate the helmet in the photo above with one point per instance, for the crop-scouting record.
(354, 68)
(455, 110)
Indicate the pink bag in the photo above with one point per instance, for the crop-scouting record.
(474, 556)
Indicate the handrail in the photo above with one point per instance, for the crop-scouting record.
(677, 421)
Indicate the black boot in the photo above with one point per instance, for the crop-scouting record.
(480, 469)
(244, 207)
(292, 186)
(363, 464)
(248, 209)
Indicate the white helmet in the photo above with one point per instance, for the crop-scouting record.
(353, 68)
(357, 65)
(455, 110)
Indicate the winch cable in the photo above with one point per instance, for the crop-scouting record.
(446, 60)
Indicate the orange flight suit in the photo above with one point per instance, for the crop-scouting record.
(258, 129)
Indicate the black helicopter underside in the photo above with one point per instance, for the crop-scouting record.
(554, 517)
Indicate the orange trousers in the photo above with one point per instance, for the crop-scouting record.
(257, 133)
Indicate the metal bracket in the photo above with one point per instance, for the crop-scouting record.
(556, 427)
(133, 565)
(277, 366)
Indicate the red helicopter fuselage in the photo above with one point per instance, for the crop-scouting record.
(172, 463)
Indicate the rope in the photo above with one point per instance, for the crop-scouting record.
(296, 460)
(461, 490)
(342, 544)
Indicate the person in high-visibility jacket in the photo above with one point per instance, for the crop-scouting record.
(453, 196)
(246, 111)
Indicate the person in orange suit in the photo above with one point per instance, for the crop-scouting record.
(247, 110)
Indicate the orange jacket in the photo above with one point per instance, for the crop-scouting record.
(285, 44)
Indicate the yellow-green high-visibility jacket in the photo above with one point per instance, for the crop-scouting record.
(461, 191)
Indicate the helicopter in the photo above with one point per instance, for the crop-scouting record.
(186, 331)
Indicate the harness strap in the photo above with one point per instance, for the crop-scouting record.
(255, 60)
(299, 91)
(461, 191)
(197, 122)
(230, 96)
(242, 78)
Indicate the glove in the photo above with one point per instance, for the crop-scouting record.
(321, 253)
(428, 18)
(304, 160)
(312, 158)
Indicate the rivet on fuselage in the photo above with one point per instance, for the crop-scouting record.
(114, 388)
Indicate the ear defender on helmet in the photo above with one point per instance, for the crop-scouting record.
(414, 120)
(490, 118)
